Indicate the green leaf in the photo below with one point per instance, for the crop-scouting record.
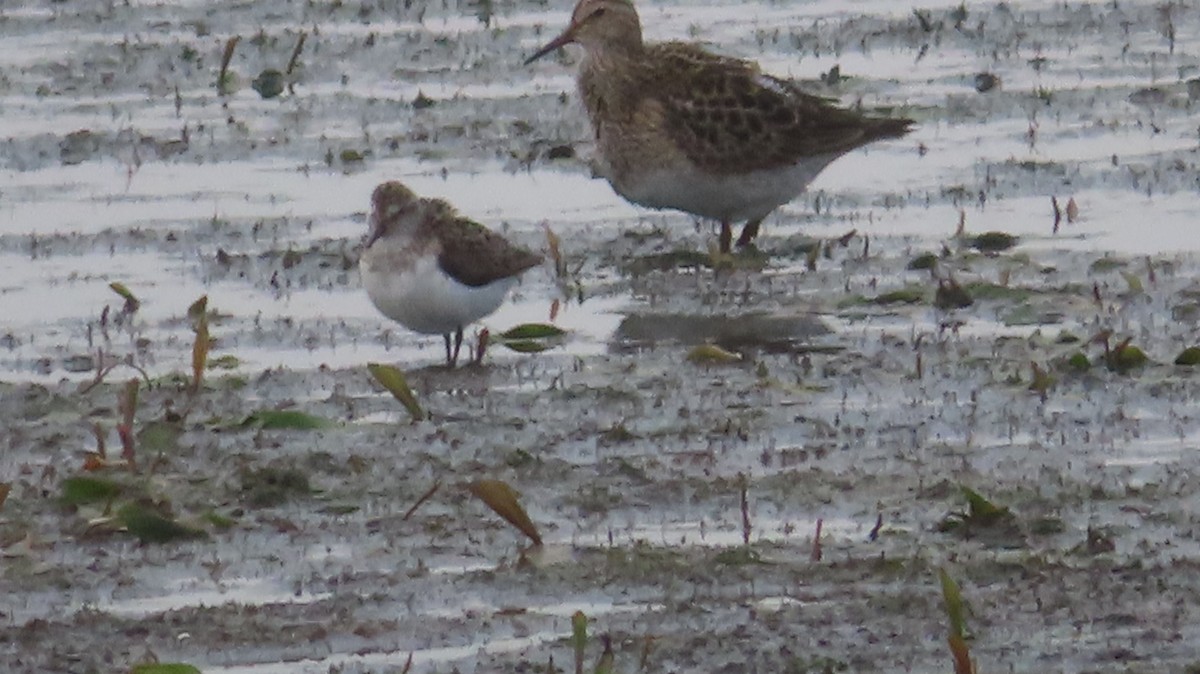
(395, 382)
(955, 611)
(712, 354)
(912, 295)
(1107, 264)
(534, 331)
(131, 301)
(219, 521)
(271, 486)
(150, 526)
(1042, 381)
(526, 345)
(226, 362)
(164, 668)
(1078, 362)
(739, 556)
(993, 242)
(579, 624)
(1065, 337)
(1189, 356)
(981, 509)
(954, 604)
(285, 419)
(269, 83)
(81, 490)
(506, 502)
(159, 436)
(231, 383)
(950, 295)
(1135, 284)
(228, 82)
(923, 261)
(1127, 357)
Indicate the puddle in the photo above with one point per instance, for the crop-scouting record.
(729, 331)
(423, 658)
(247, 592)
(726, 534)
(598, 608)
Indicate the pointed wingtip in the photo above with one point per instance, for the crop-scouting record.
(894, 127)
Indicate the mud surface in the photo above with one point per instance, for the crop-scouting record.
(853, 389)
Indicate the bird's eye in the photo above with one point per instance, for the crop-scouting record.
(598, 13)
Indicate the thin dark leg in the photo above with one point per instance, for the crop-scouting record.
(457, 345)
(449, 360)
(726, 236)
(480, 347)
(749, 232)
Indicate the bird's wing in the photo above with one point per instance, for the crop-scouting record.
(727, 116)
(476, 256)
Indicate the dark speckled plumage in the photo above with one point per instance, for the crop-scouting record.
(679, 127)
(466, 251)
(432, 270)
(727, 117)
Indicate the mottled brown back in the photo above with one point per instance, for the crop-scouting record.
(728, 117)
(471, 253)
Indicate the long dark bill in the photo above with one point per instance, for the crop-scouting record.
(567, 37)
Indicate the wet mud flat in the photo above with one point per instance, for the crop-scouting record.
(678, 489)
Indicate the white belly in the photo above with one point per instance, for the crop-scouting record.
(729, 198)
(424, 299)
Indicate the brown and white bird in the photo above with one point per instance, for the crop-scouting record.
(679, 127)
(432, 270)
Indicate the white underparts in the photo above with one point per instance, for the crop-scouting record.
(424, 299)
(727, 197)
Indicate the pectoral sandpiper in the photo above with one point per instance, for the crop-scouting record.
(678, 127)
(432, 270)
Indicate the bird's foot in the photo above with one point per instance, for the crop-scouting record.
(481, 344)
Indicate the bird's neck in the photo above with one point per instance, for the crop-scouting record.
(609, 73)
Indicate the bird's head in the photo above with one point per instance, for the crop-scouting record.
(391, 203)
(597, 25)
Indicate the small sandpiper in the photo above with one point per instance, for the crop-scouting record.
(678, 127)
(432, 270)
